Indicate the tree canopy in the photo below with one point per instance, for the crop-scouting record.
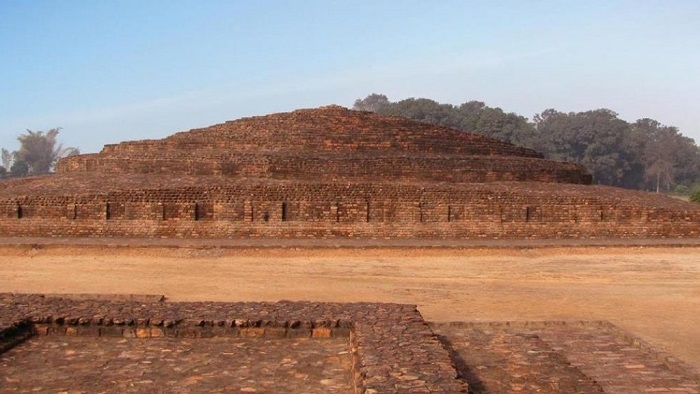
(38, 154)
(642, 155)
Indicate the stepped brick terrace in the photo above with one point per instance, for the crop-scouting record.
(142, 344)
(330, 173)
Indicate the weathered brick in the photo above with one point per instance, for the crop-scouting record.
(325, 173)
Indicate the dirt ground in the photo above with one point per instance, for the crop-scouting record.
(653, 292)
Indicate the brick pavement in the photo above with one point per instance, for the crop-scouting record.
(506, 362)
(174, 365)
(617, 363)
(560, 357)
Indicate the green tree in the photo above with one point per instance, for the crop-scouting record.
(19, 169)
(596, 139)
(659, 157)
(424, 110)
(40, 151)
(38, 154)
(668, 157)
(695, 194)
(496, 123)
(374, 103)
(470, 113)
(7, 159)
(473, 116)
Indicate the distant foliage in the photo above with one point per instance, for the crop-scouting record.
(641, 155)
(38, 154)
(695, 194)
(374, 103)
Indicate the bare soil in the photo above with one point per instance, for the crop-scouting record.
(652, 292)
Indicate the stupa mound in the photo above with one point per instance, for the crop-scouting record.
(330, 172)
(330, 144)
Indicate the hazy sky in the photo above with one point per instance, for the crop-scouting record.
(109, 71)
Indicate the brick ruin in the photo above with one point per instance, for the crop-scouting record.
(144, 344)
(392, 349)
(330, 172)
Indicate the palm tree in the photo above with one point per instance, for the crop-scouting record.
(41, 151)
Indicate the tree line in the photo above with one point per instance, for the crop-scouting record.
(38, 154)
(644, 154)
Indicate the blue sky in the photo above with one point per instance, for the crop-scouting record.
(109, 71)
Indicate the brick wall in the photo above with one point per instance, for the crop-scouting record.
(352, 168)
(498, 210)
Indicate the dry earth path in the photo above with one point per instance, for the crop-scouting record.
(653, 292)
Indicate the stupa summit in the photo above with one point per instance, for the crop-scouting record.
(330, 172)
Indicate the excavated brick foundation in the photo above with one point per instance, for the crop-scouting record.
(95, 343)
(364, 347)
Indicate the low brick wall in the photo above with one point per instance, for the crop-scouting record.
(356, 168)
(320, 210)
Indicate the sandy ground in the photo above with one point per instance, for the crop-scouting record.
(652, 292)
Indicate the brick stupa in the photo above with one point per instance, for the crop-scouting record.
(330, 172)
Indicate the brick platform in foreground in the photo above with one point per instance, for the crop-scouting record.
(178, 365)
(561, 357)
(90, 343)
(392, 348)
